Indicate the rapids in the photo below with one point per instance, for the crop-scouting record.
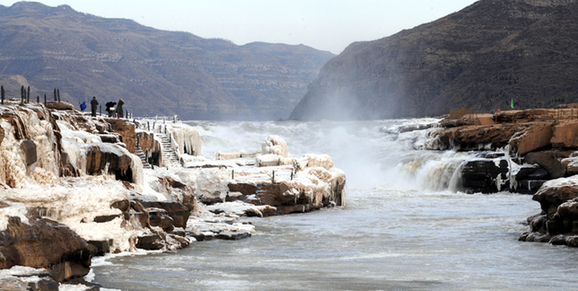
(406, 225)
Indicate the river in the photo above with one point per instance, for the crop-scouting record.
(405, 227)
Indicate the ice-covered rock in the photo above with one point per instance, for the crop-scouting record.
(19, 278)
(188, 139)
(67, 172)
(30, 240)
(205, 225)
(558, 222)
(276, 145)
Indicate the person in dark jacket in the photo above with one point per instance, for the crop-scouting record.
(93, 105)
(110, 108)
(119, 108)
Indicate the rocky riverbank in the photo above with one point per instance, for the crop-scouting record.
(75, 186)
(531, 151)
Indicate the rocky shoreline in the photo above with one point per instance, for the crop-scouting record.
(74, 186)
(532, 151)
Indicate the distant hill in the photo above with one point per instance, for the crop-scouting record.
(155, 72)
(481, 58)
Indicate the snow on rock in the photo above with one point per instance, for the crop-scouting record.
(44, 243)
(72, 169)
(25, 125)
(235, 155)
(188, 139)
(211, 185)
(205, 225)
(11, 209)
(64, 202)
(555, 224)
(275, 145)
(270, 160)
(240, 208)
(309, 161)
(288, 185)
(284, 183)
(571, 164)
(24, 278)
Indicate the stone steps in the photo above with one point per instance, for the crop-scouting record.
(142, 157)
(169, 155)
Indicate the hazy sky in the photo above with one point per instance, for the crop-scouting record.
(323, 24)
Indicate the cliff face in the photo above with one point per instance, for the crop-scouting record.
(153, 71)
(481, 58)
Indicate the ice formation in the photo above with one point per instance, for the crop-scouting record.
(83, 172)
(311, 177)
(276, 145)
(186, 138)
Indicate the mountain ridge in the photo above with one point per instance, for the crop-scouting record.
(474, 58)
(155, 72)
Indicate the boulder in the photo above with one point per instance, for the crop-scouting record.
(42, 243)
(571, 165)
(531, 172)
(549, 160)
(480, 176)
(102, 246)
(26, 282)
(44, 284)
(565, 134)
(150, 242)
(568, 210)
(555, 192)
(558, 222)
(175, 210)
(535, 136)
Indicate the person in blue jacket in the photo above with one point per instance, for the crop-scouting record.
(83, 106)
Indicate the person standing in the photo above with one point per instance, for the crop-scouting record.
(110, 108)
(119, 108)
(93, 105)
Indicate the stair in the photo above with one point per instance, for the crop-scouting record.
(138, 151)
(170, 158)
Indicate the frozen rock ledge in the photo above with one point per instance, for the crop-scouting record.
(74, 186)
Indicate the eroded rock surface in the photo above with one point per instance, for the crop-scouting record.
(41, 243)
